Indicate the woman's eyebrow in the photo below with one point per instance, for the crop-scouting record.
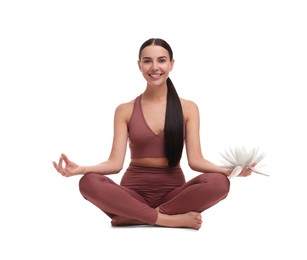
(162, 57)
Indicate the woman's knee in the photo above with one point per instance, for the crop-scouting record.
(89, 181)
(221, 183)
(217, 182)
(85, 182)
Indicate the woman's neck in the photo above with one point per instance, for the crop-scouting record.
(155, 93)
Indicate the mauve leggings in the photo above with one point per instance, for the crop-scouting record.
(144, 188)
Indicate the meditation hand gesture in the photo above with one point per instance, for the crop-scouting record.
(70, 168)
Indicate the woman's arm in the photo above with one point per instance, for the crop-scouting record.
(115, 162)
(192, 140)
(195, 157)
(116, 158)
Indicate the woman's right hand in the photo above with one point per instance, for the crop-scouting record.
(70, 168)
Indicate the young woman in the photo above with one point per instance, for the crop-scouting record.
(157, 125)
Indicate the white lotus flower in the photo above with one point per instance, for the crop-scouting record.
(240, 157)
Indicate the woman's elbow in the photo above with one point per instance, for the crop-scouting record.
(114, 166)
(195, 162)
(117, 169)
(192, 165)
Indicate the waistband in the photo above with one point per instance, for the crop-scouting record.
(144, 168)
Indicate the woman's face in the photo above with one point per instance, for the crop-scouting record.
(155, 64)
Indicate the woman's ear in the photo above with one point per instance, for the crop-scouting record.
(172, 64)
(139, 65)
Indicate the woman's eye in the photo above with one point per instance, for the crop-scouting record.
(146, 61)
(162, 61)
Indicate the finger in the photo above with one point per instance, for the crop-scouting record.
(60, 161)
(55, 165)
(246, 171)
(65, 158)
(66, 173)
(60, 167)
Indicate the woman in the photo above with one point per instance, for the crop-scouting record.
(157, 124)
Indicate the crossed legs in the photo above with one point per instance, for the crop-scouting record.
(180, 208)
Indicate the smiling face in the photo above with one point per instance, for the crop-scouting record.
(155, 64)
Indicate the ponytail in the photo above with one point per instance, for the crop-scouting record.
(173, 128)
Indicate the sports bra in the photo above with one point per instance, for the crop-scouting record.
(143, 142)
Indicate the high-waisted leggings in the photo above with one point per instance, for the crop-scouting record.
(144, 188)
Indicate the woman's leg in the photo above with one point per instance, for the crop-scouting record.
(116, 200)
(198, 194)
(182, 207)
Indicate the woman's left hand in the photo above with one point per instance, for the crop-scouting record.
(246, 171)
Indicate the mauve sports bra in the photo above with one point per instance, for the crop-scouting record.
(143, 142)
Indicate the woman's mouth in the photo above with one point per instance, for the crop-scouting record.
(155, 75)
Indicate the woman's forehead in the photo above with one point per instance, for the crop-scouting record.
(154, 51)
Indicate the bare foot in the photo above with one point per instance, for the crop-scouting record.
(122, 221)
(187, 220)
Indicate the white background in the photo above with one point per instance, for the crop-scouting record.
(66, 65)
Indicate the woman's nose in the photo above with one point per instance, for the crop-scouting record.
(155, 65)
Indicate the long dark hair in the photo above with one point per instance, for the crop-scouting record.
(173, 128)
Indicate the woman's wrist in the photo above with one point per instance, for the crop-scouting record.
(83, 170)
(228, 172)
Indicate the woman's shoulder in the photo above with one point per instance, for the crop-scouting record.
(125, 109)
(190, 109)
(188, 105)
(125, 105)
